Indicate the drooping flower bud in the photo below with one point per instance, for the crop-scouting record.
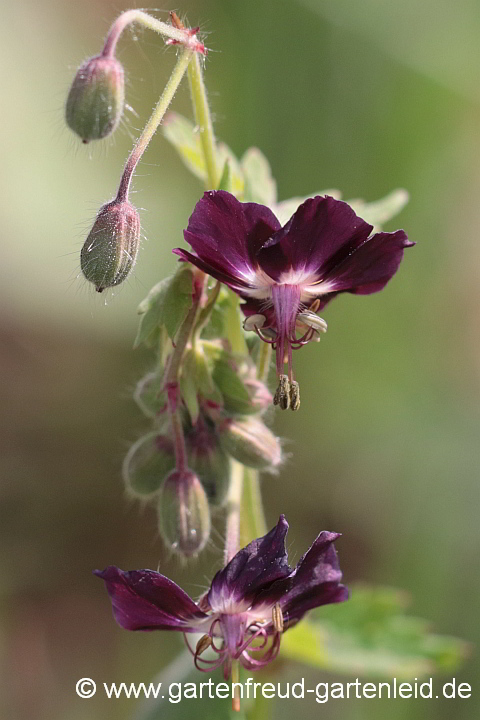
(147, 464)
(250, 442)
(96, 98)
(110, 250)
(183, 513)
(209, 461)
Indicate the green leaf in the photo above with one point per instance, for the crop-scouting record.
(233, 324)
(225, 181)
(381, 211)
(151, 310)
(236, 397)
(260, 187)
(371, 636)
(184, 137)
(224, 153)
(166, 305)
(182, 677)
(178, 300)
(285, 209)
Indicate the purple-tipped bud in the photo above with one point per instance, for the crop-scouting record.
(209, 461)
(147, 464)
(96, 98)
(183, 513)
(111, 248)
(251, 443)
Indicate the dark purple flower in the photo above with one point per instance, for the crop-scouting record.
(249, 604)
(285, 274)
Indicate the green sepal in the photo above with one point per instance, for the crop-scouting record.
(150, 395)
(260, 187)
(371, 636)
(196, 379)
(236, 398)
(166, 305)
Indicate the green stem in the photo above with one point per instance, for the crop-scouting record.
(203, 120)
(155, 120)
(234, 504)
(142, 18)
(253, 523)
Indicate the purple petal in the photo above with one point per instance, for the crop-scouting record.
(253, 569)
(314, 582)
(147, 600)
(229, 279)
(227, 234)
(371, 265)
(320, 227)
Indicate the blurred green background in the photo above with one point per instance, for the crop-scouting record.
(364, 96)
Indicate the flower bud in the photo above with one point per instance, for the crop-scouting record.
(96, 98)
(209, 461)
(242, 392)
(149, 394)
(111, 248)
(251, 443)
(147, 464)
(183, 513)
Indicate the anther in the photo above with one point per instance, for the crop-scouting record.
(282, 395)
(202, 645)
(294, 395)
(313, 321)
(277, 618)
(254, 321)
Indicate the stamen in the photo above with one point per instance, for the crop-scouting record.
(294, 397)
(253, 322)
(204, 643)
(312, 320)
(277, 615)
(282, 394)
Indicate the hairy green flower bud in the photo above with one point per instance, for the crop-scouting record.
(209, 461)
(149, 394)
(147, 464)
(242, 393)
(183, 513)
(251, 443)
(111, 248)
(96, 98)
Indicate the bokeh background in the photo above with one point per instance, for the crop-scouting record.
(363, 96)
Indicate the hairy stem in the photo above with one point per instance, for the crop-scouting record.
(171, 384)
(142, 18)
(253, 523)
(203, 120)
(234, 504)
(155, 120)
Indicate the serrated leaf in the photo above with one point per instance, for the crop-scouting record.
(370, 636)
(285, 209)
(381, 211)
(178, 300)
(151, 310)
(224, 153)
(166, 305)
(260, 186)
(182, 134)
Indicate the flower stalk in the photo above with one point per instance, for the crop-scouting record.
(234, 506)
(154, 121)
